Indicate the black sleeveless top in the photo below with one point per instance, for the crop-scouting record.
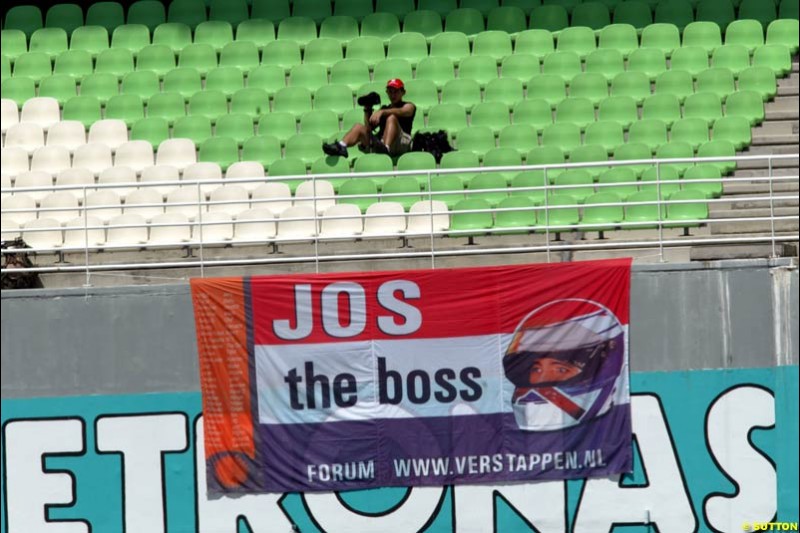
(405, 122)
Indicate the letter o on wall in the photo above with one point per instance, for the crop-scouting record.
(331, 322)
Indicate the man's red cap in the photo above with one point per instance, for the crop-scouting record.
(395, 83)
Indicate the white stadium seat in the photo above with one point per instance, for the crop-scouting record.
(392, 219)
(104, 204)
(112, 132)
(246, 169)
(234, 198)
(257, 224)
(61, 206)
(180, 153)
(216, 227)
(146, 203)
(80, 232)
(35, 179)
(203, 171)
(123, 177)
(68, 133)
(277, 196)
(121, 235)
(50, 235)
(161, 173)
(51, 159)
(423, 221)
(13, 161)
(10, 113)
(29, 137)
(185, 202)
(334, 225)
(290, 228)
(137, 155)
(95, 157)
(175, 229)
(42, 111)
(76, 177)
(322, 189)
(25, 207)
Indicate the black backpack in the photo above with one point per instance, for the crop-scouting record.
(434, 143)
(10, 278)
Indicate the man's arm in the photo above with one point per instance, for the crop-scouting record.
(407, 110)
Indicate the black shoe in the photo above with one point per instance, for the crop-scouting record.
(334, 148)
(379, 148)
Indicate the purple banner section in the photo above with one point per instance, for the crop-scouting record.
(437, 451)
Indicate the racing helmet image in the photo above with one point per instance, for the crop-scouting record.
(565, 360)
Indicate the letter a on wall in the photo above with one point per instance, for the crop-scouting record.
(414, 378)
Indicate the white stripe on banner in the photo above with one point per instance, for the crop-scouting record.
(459, 376)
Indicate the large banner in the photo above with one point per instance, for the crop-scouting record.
(415, 378)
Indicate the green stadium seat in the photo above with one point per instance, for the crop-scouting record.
(692, 59)
(322, 122)
(417, 161)
(564, 64)
(481, 69)
(93, 39)
(442, 7)
(197, 128)
(211, 104)
(153, 130)
(533, 112)
(373, 163)
(557, 219)
(632, 151)
(141, 83)
(260, 32)
(619, 109)
(50, 41)
(719, 12)
(704, 34)
(227, 80)
(642, 215)
(594, 15)
(357, 9)
(527, 179)
(75, 63)
(335, 98)
(495, 44)
(408, 186)
(475, 139)
(537, 43)
(484, 181)
(576, 183)
(664, 37)
(621, 38)
(169, 106)
(676, 82)
(589, 85)
(284, 54)
(175, 35)
(202, 57)
(236, 126)
(298, 29)
(451, 45)
(674, 150)
(220, 150)
(329, 165)
(634, 85)
(252, 101)
(519, 136)
(106, 14)
(189, 12)
(549, 17)
(437, 69)
(274, 10)
(323, 51)
(733, 57)
(525, 5)
(101, 86)
(686, 214)
(663, 178)
(351, 72)
(760, 80)
(448, 117)
(184, 81)
(520, 67)
(317, 10)
(716, 80)
(269, 78)
(512, 213)
(366, 189)
(381, 25)
(309, 75)
(462, 219)
(773, 56)
(340, 28)
(19, 89)
(735, 129)
(65, 16)
(605, 133)
(367, 49)
(565, 135)
(510, 19)
(677, 12)
(506, 156)
(602, 218)
(411, 47)
(747, 104)
(232, 11)
(577, 39)
(281, 125)
(789, 10)
(590, 153)
(637, 14)
(649, 61)
(491, 115)
(157, 58)
(719, 148)
(217, 33)
(13, 43)
(484, 6)
(426, 22)
(131, 37)
(705, 106)
(27, 19)
(455, 181)
(785, 31)
(578, 111)
(694, 179)
(507, 91)
(652, 133)
(620, 181)
(393, 68)
(116, 61)
(762, 12)
(33, 65)
(547, 155)
(126, 107)
(149, 13)
(606, 62)
(295, 100)
(288, 166)
(693, 131)
(58, 86)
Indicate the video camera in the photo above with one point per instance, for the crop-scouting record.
(369, 101)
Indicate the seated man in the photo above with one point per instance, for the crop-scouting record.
(395, 120)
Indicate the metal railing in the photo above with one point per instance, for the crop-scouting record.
(546, 225)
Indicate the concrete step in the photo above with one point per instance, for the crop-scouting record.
(756, 173)
(790, 85)
(760, 187)
(720, 211)
(778, 132)
(763, 227)
(782, 108)
(719, 252)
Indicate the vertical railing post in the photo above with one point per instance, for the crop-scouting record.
(430, 216)
(88, 281)
(316, 223)
(200, 229)
(546, 215)
(658, 213)
(771, 207)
